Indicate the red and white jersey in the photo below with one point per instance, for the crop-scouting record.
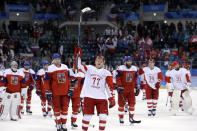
(97, 82)
(168, 76)
(78, 84)
(59, 79)
(14, 81)
(41, 83)
(127, 77)
(152, 76)
(29, 75)
(179, 78)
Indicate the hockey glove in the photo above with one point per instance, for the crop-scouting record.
(38, 92)
(112, 102)
(70, 93)
(48, 95)
(31, 87)
(137, 91)
(157, 85)
(120, 89)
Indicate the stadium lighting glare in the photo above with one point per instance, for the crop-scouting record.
(165, 21)
(86, 9)
(17, 14)
(154, 14)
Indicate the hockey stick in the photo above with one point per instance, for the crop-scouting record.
(167, 101)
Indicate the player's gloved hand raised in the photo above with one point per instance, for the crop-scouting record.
(137, 91)
(48, 95)
(112, 102)
(120, 89)
(38, 92)
(70, 93)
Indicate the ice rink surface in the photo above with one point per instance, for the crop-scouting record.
(163, 121)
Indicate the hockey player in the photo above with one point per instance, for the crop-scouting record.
(77, 83)
(169, 85)
(59, 91)
(142, 81)
(181, 84)
(153, 77)
(126, 80)
(29, 78)
(14, 82)
(97, 80)
(41, 86)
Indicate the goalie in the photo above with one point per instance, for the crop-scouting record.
(181, 82)
(14, 82)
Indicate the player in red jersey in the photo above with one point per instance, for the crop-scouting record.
(77, 83)
(126, 81)
(14, 82)
(59, 91)
(41, 86)
(29, 78)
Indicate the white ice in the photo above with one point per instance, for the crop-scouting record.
(163, 121)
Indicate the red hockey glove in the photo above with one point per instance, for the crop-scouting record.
(112, 102)
(157, 85)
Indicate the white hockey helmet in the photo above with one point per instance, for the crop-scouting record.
(14, 65)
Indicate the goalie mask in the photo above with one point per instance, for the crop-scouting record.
(14, 66)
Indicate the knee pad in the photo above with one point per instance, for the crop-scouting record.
(103, 117)
(87, 117)
(14, 113)
(169, 87)
(5, 107)
(187, 101)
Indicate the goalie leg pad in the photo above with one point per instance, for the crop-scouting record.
(14, 112)
(176, 97)
(187, 101)
(6, 103)
(169, 87)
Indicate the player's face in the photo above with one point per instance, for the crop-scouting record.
(57, 61)
(14, 66)
(151, 64)
(169, 67)
(45, 67)
(176, 66)
(27, 67)
(99, 62)
(128, 64)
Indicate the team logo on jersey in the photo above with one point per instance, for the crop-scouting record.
(26, 77)
(14, 80)
(61, 78)
(129, 77)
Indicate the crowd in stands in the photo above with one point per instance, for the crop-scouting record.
(166, 43)
(178, 5)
